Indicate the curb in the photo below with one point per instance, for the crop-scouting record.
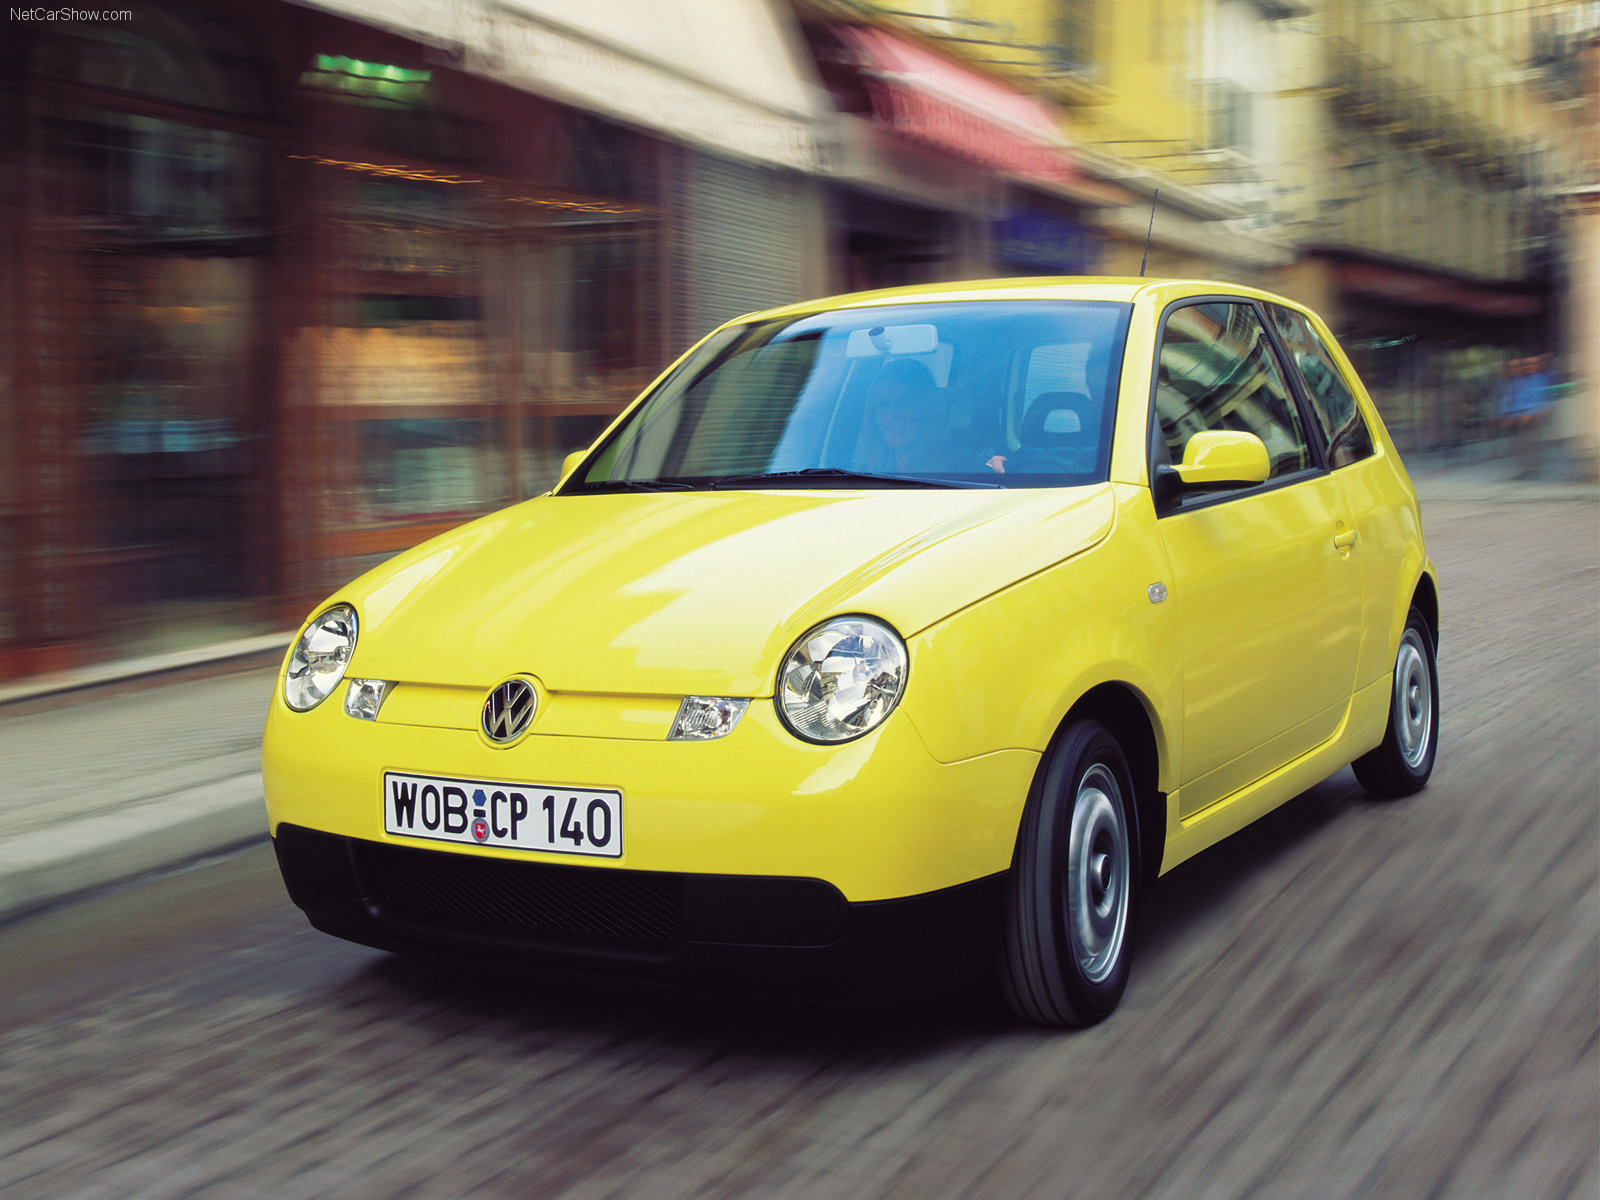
(1450, 487)
(47, 865)
(126, 670)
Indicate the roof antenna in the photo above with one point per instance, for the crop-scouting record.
(1152, 225)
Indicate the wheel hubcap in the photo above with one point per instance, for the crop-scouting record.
(1097, 874)
(1413, 700)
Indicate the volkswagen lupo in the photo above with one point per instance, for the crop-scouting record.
(884, 643)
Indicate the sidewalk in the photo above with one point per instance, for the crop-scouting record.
(127, 768)
(1442, 478)
(120, 770)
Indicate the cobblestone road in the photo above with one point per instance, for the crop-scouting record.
(1351, 999)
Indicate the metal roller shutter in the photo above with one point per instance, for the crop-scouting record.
(745, 239)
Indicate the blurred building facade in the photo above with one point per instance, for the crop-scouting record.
(1432, 237)
(290, 286)
(1578, 49)
(1397, 164)
(293, 287)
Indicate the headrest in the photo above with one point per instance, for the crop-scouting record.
(1057, 419)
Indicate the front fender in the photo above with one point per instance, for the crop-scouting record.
(1003, 673)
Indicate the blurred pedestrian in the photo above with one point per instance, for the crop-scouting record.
(1524, 409)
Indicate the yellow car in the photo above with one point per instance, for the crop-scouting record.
(886, 641)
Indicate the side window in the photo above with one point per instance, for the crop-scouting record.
(1217, 371)
(1343, 426)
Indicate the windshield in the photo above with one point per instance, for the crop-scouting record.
(976, 394)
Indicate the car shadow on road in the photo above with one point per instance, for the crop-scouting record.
(1201, 889)
(723, 1021)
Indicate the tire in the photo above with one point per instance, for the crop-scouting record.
(1073, 884)
(1403, 762)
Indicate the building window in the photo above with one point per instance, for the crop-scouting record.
(1073, 31)
(1230, 109)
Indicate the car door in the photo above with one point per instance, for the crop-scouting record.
(1365, 482)
(1266, 578)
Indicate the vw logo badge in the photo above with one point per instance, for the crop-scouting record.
(508, 711)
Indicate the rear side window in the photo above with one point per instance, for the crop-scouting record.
(1343, 427)
(1217, 371)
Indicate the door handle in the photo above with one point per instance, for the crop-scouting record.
(1344, 540)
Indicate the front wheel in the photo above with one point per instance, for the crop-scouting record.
(1070, 894)
(1403, 762)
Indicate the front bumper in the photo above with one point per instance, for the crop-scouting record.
(878, 818)
(781, 936)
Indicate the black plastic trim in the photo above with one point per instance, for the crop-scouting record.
(788, 937)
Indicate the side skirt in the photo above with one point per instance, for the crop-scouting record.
(1361, 730)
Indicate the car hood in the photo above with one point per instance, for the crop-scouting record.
(697, 592)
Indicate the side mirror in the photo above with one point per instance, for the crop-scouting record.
(1216, 458)
(1220, 458)
(571, 461)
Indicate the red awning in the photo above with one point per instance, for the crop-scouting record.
(942, 104)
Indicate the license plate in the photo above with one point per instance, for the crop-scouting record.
(513, 816)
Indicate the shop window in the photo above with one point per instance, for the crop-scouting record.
(156, 235)
(1029, 241)
(467, 328)
(402, 368)
(607, 160)
(583, 274)
(892, 245)
(419, 469)
(15, 492)
(393, 107)
(195, 56)
(135, 181)
(603, 281)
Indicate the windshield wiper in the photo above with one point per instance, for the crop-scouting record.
(814, 476)
(635, 485)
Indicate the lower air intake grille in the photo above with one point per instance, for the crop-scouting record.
(534, 897)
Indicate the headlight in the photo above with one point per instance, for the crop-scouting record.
(841, 679)
(320, 657)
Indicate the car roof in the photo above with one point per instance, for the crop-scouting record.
(1122, 289)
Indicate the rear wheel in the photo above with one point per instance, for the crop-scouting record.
(1403, 762)
(1070, 894)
